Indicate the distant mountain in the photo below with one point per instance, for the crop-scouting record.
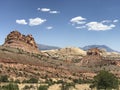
(108, 49)
(46, 47)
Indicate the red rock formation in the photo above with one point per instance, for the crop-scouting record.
(93, 57)
(17, 40)
(94, 51)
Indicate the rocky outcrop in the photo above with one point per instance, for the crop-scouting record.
(94, 51)
(16, 40)
(93, 57)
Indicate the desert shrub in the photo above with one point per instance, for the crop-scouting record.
(43, 87)
(50, 82)
(10, 87)
(87, 81)
(31, 80)
(60, 81)
(17, 81)
(81, 81)
(4, 78)
(67, 86)
(77, 81)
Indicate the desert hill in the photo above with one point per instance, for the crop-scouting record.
(67, 54)
(67, 51)
(20, 64)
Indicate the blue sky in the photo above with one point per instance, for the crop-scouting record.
(63, 22)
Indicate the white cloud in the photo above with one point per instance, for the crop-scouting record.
(36, 21)
(106, 21)
(80, 27)
(44, 9)
(97, 26)
(81, 23)
(49, 27)
(48, 10)
(78, 20)
(115, 20)
(54, 12)
(38, 9)
(22, 21)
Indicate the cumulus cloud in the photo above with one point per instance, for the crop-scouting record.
(78, 20)
(22, 21)
(106, 21)
(54, 12)
(48, 10)
(115, 20)
(97, 26)
(81, 23)
(49, 27)
(110, 21)
(36, 21)
(44, 9)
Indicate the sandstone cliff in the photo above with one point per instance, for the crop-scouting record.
(16, 40)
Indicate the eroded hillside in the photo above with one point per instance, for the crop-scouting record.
(21, 59)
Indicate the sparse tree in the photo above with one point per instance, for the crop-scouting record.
(105, 80)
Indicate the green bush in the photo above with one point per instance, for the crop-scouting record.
(50, 82)
(10, 87)
(80, 81)
(4, 78)
(44, 87)
(31, 80)
(105, 80)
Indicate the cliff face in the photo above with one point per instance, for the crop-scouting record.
(16, 40)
